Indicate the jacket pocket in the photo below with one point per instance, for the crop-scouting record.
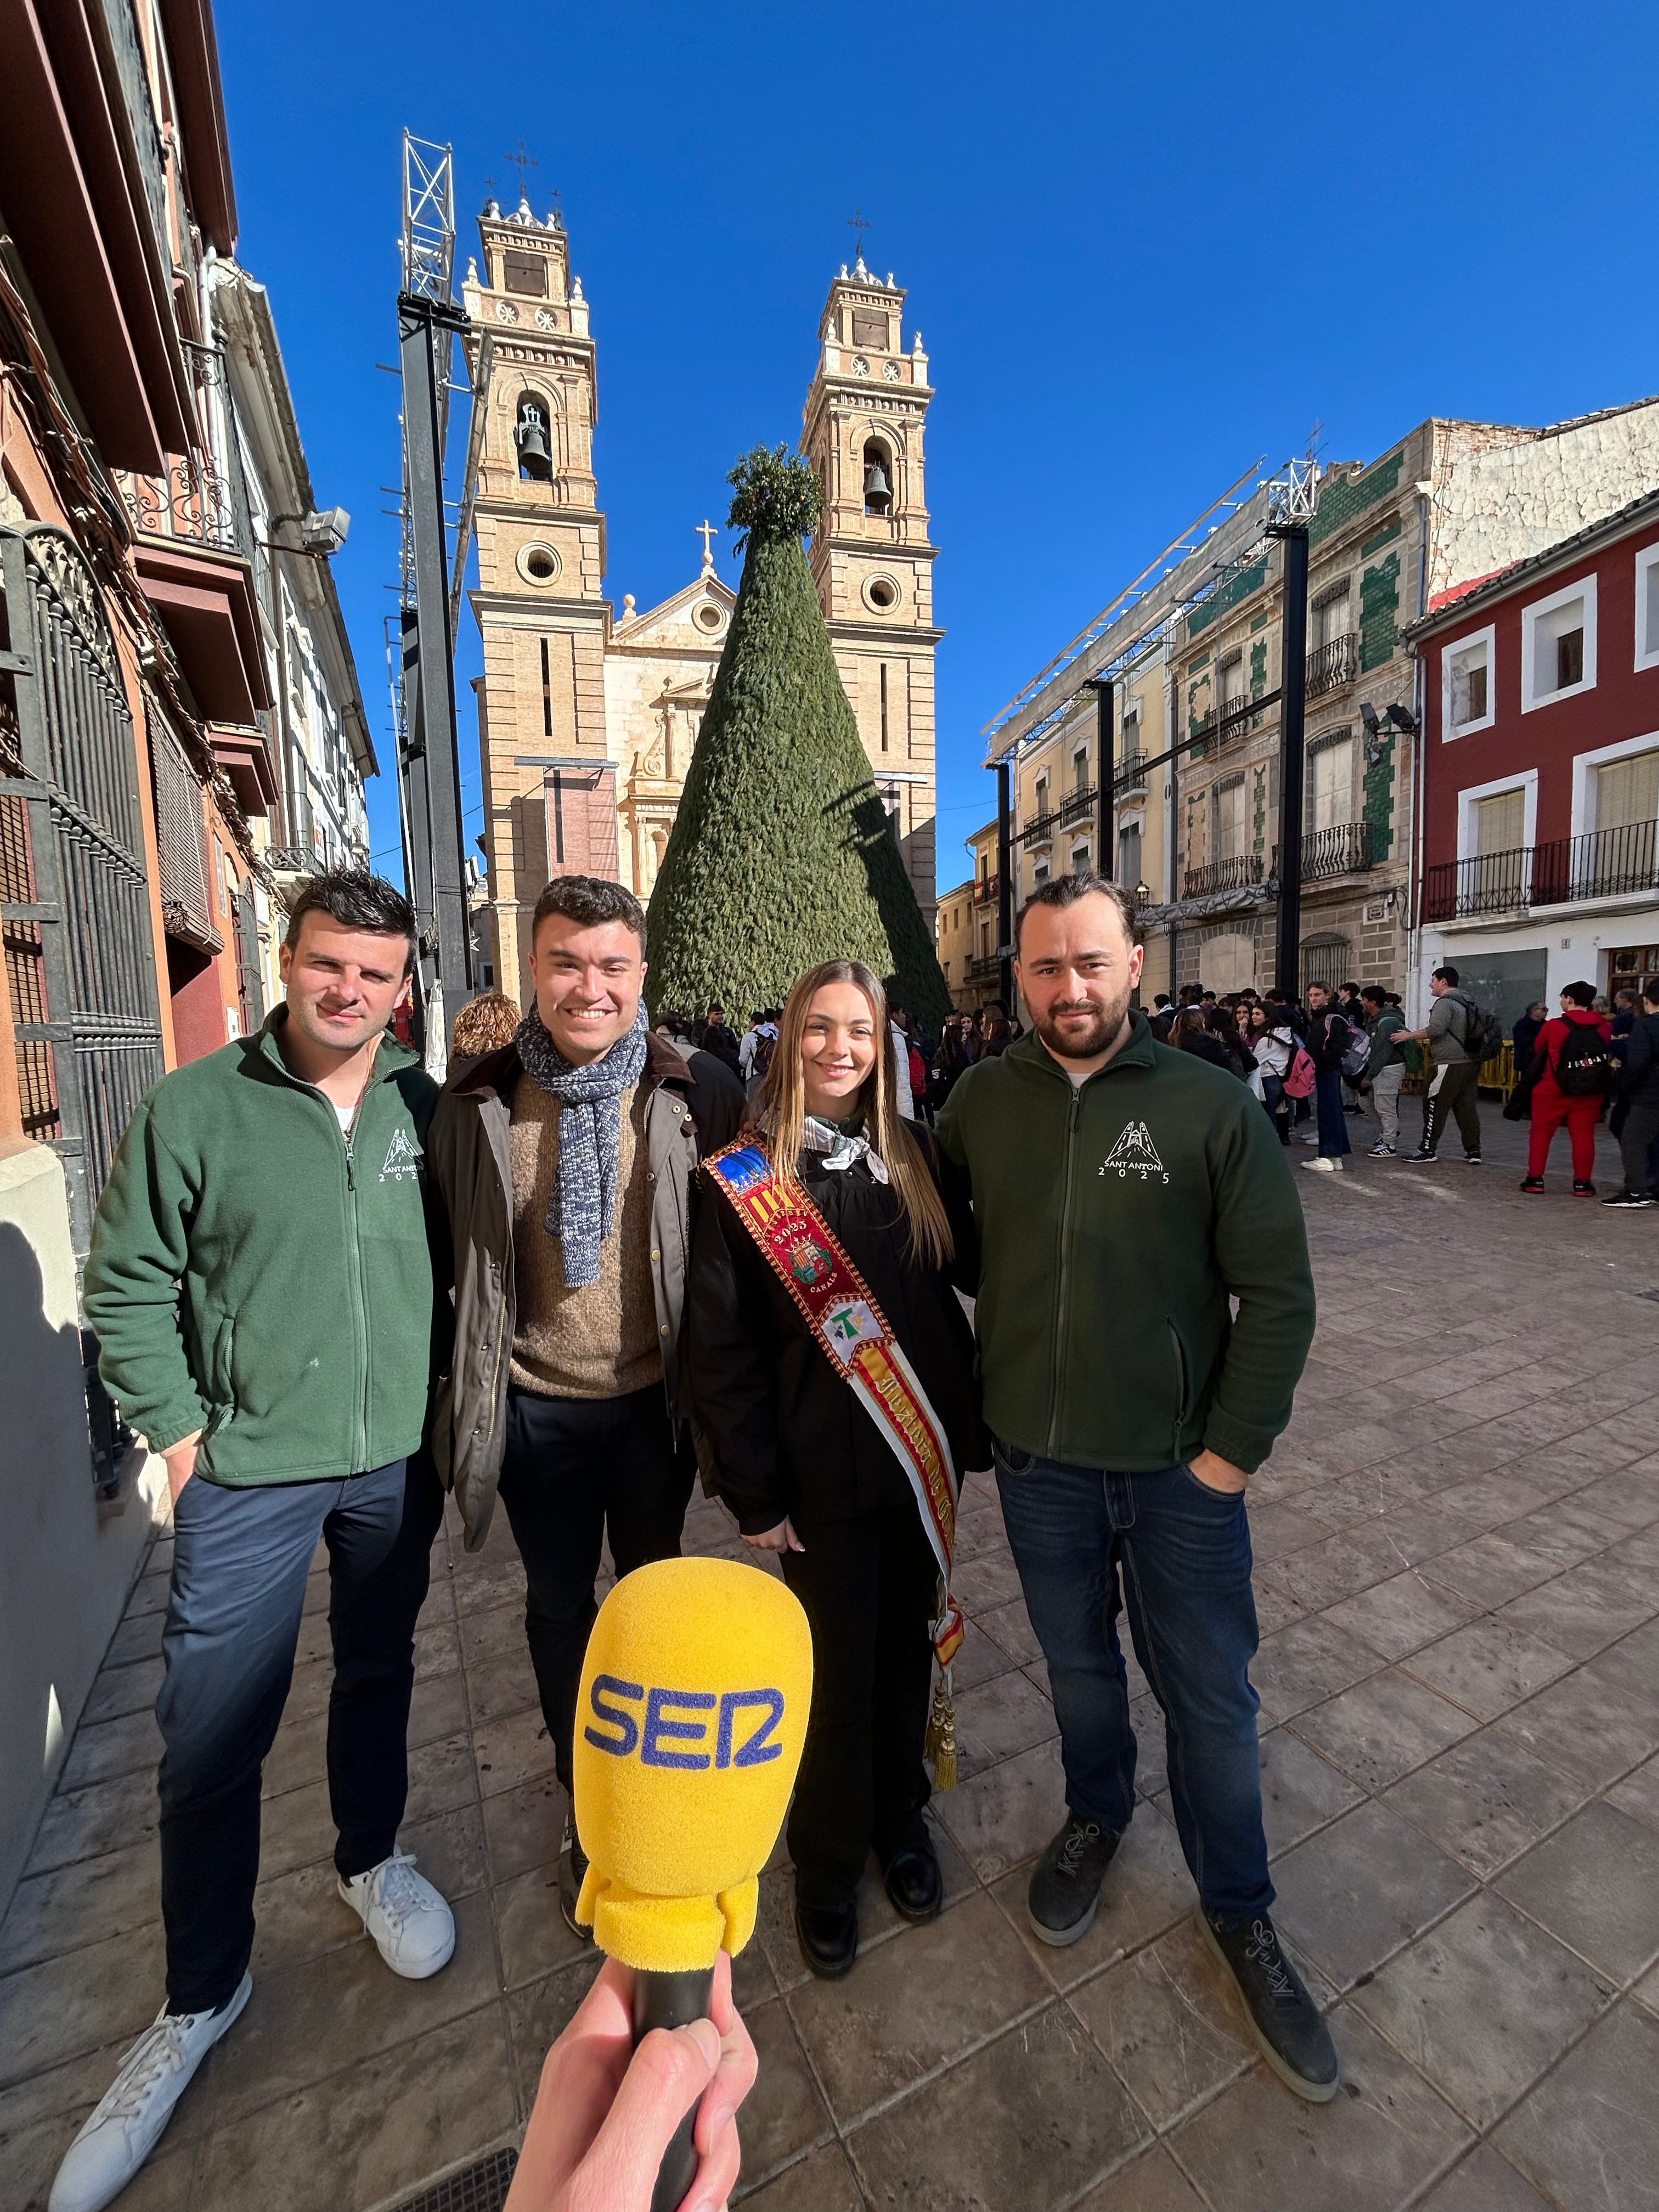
(222, 1381)
(1178, 1353)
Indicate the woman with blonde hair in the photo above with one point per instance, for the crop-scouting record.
(832, 1371)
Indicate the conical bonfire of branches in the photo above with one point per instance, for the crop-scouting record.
(781, 854)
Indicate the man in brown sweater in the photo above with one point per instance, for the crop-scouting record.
(568, 1162)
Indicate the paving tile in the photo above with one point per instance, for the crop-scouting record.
(1566, 1531)
(1483, 2182)
(1257, 2147)
(107, 1749)
(1632, 1663)
(139, 1638)
(783, 2114)
(370, 2130)
(1449, 2002)
(1401, 1615)
(1585, 1609)
(1147, 1890)
(530, 1929)
(1031, 2120)
(525, 1828)
(1277, 1529)
(1382, 1728)
(1151, 2183)
(103, 1993)
(1491, 1570)
(1300, 1791)
(299, 1915)
(1491, 1665)
(537, 2015)
(1488, 1500)
(1638, 1794)
(1595, 1883)
(1302, 1665)
(999, 1718)
(821, 2182)
(1006, 1813)
(913, 2004)
(295, 1829)
(1485, 1800)
(29, 2159)
(980, 1585)
(978, 1661)
(51, 1913)
(1590, 2134)
(1631, 1498)
(1010, 1625)
(441, 1775)
(1273, 1609)
(120, 1690)
(437, 1650)
(1171, 2020)
(514, 1749)
(1591, 1728)
(1327, 1572)
(1362, 1888)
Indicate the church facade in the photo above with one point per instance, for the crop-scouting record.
(587, 718)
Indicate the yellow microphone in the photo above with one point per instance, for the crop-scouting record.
(689, 1723)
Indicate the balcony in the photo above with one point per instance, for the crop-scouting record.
(1131, 776)
(986, 891)
(1235, 873)
(1342, 850)
(984, 969)
(1334, 664)
(1601, 863)
(1040, 827)
(1077, 805)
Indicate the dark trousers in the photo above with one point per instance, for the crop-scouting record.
(869, 1587)
(1333, 1123)
(574, 1469)
(1453, 1094)
(239, 1563)
(1183, 1553)
(1637, 1140)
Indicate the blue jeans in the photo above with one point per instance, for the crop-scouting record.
(239, 1563)
(1183, 1553)
(1332, 1121)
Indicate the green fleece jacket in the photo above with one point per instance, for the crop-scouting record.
(1115, 1220)
(254, 1276)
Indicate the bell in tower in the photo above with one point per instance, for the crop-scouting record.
(529, 436)
(877, 487)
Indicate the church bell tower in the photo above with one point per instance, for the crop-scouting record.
(871, 560)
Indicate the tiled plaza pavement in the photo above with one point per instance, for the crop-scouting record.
(1458, 1565)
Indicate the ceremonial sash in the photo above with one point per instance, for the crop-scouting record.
(840, 1311)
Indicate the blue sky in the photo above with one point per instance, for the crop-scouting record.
(1143, 250)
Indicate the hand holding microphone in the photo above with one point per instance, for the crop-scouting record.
(690, 1724)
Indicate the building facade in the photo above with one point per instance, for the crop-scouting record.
(586, 718)
(1540, 773)
(965, 928)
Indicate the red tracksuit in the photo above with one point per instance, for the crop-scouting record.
(1551, 1106)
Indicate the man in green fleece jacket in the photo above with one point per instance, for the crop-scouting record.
(261, 1283)
(1125, 1196)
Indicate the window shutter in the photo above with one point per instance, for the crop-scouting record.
(186, 912)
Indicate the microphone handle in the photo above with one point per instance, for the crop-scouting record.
(673, 2001)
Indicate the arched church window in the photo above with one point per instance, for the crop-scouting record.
(878, 478)
(531, 437)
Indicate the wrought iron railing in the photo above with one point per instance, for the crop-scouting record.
(1332, 664)
(988, 964)
(1601, 863)
(1131, 773)
(1040, 827)
(1235, 873)
(985, 889)
(1077, 805)
(1341, 850)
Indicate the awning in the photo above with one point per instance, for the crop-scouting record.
(206, 605)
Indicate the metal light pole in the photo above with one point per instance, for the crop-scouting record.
(1005, 889)
(1295, 498)
(1105, 702)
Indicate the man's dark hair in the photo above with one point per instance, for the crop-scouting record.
(1354, 989)
(1650, 990)
(1446, 975)
(1582, 994)
(715, 1008)
(1624, 996)
(1376, 993)
(589, 900)
(1081, 883)
(1160, 998)
(356, 900)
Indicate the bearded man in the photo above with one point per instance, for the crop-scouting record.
(1124, 1194)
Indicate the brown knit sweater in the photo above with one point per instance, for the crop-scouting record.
(599, 1340)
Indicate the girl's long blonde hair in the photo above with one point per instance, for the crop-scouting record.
(781, 1109)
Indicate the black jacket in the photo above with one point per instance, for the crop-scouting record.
(1639, 1078)
(787, 1433)
(1524, 1037)
(1329, 1036)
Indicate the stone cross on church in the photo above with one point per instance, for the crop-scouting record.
(586, 718)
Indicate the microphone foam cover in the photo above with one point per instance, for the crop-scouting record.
(689, 1723)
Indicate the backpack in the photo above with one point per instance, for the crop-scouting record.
(762, 1058)
(1483, 1033)
(1357, 1053)
(1298, 1079)
(1583, 1065)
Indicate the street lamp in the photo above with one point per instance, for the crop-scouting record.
(322, 531)
(1399, 718)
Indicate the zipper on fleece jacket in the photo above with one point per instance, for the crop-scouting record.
(1057, 1373)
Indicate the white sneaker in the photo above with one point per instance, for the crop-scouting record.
(125, 2128)
(1324, 1166)
(413, 1930)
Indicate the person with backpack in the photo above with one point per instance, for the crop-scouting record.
(1385, 1067)
(755, 1053)
(1635, 1117)
(1459, 1037)
(1570, 1081)
(1274, 1048)
(1329, 1040)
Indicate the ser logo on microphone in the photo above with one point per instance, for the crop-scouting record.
(738, 1728)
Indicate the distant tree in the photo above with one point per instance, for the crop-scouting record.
(781, 852)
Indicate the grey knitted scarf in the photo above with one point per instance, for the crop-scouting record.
(583, 1208)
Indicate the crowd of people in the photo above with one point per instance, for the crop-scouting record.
(597, 1264)
(1316, 1061)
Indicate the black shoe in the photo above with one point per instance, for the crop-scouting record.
(915, 1884)
(1421, 1154)
(1295, 2041)
(1629, 1198)
(573, 1872)
(1472, 1159)
(1066, 1882)
(1532, 1186)
(1584, 1190)
(829, 1938)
